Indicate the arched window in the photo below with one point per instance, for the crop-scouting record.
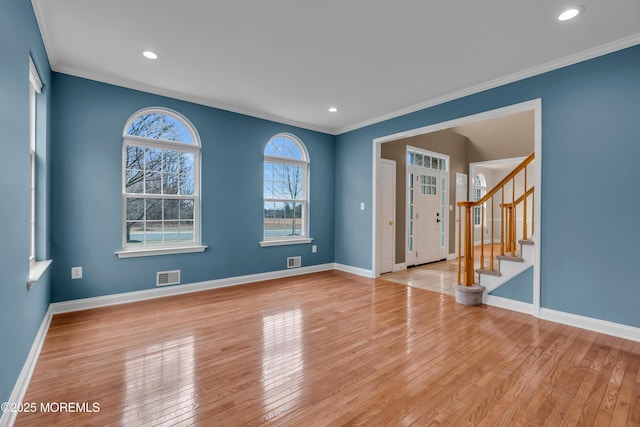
(160, 184)
(480, 189)
(286, 167)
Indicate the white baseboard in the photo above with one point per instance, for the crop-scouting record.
(591, 324)
(107, 300)
(354, 270)
(508, 304)
(20, 388)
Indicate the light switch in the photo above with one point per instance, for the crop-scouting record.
(361, 206)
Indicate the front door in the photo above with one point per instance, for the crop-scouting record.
(425, 222)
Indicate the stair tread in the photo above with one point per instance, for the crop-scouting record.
(510, 258)
(489, 272)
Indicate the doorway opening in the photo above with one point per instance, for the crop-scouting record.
(458, 166)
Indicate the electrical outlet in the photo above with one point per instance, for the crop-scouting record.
(76, 272)
(314, 249)
(361, 206)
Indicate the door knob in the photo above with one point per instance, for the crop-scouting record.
(390, 222)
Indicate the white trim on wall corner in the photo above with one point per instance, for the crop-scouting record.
(354, 270)
(8, 418)
(591, 324)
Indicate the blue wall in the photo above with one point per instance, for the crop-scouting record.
(88, 118)
(590, 203)
(21, 310)
(520, 288)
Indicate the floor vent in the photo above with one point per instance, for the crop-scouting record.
(168, 278)
(294, 262)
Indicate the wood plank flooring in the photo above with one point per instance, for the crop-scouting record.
(329, 349)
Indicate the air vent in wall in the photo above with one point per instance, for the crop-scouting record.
(294, 262)
(168, 278)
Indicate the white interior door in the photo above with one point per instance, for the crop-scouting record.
(425, 221)
(387, 214)
(461, 196)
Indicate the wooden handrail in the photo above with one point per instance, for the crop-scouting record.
(507, 223)
(505, 180)
(519, 199)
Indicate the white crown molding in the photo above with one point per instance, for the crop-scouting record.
(187, 98)
(530, 72)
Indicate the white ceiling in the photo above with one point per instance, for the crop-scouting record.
(289, 60)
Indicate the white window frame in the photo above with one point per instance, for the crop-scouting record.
(304, 163)
(131, 251)
(36, 268)
(483, 190)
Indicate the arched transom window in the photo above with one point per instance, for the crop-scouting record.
(161, 182)
(286, 194)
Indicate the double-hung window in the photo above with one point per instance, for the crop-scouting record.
(36, 268)
(286, 191)
(160, 185)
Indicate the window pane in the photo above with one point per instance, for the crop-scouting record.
(186, 231)
(171, 231)
(135, 209)
(154, 209)
(186, 162)
(135, 157)
(135, 232)
(134, 181)
(153, 159)
(187, 187)
(434, 163)
(186, 209)
(418, 159)
(160, 126)
(171, 161)
(154, 232)
(153, 183)
(172, 209)
(283, 146)
(170, 183)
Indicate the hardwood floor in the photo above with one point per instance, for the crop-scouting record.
(329, 349)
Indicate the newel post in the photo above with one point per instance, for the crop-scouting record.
(468, 244)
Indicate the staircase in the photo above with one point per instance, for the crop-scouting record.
(507, 266)
(513, 230)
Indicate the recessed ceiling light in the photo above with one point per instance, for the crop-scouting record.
(570, 13)
(332, 109)
(150, 54)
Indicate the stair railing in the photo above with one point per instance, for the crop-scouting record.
(508, 219)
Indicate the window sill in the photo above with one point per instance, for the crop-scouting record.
(134, 253)
(36, 270)
(299, 241)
